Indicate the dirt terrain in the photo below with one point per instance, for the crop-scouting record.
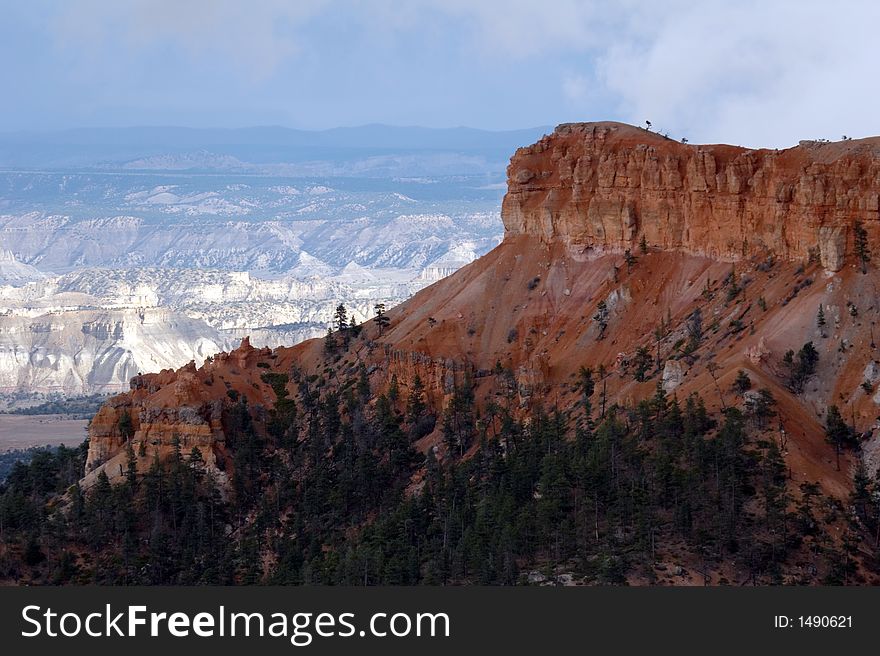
(25, 431)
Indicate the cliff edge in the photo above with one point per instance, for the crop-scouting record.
(604, 186)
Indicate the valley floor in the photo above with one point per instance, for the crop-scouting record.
(25, 431)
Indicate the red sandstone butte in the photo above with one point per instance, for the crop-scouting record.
(519, 321)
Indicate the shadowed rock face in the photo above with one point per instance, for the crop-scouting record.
(604, 186)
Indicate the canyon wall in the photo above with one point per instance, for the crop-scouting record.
(603, 186)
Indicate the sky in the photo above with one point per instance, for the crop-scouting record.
(751, 72)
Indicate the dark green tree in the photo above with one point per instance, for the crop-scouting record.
(642, 361)
(459, 418)
(340, 317)
(761, 407)
(694, 330)
(742, 383)
(330, 344)
(340, 320)
(415, 405)
(394, 389)
(382, 319)
(125, 425)
(601, 318)
(801, 367)
(587, 386)
(863, 251)
(837, 432)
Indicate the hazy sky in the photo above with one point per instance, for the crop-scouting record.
(755, 72)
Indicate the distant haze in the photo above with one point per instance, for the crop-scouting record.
(752, 72)
(371, 150)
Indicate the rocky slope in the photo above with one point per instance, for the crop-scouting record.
(757, 241)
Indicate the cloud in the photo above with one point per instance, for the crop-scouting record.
(252, 37)
(758, 73)
(575, 88)
(524, 28)
(751, 72)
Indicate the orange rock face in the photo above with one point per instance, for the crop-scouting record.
(521, 321)
(603, 186)
(186, 405)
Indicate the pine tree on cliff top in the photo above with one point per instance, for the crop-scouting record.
(340, 317)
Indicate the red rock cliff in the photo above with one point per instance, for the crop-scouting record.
(522, 320)
(603, 186)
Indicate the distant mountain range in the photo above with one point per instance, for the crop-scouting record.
(104, 274)
(108, 238)
(378, 149)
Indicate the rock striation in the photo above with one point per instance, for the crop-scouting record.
(603, 186)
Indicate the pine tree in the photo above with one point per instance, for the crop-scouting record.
(601, 317)
(125, 426)
(712, 368)
(659, 334)
(587, 386)
(330, 344)
(382, 319)
(742, 383)
(836, 430)
(363, 384)
(341, 317)
(803, 368)
(733, 288)
(393, 389)
(695, 330)
(415, 405)
(458, 417)
(863, 251)
(761, 407)
(642, 362)
(131, 468)
(643, 246)
(820, 319)
(196, 459)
